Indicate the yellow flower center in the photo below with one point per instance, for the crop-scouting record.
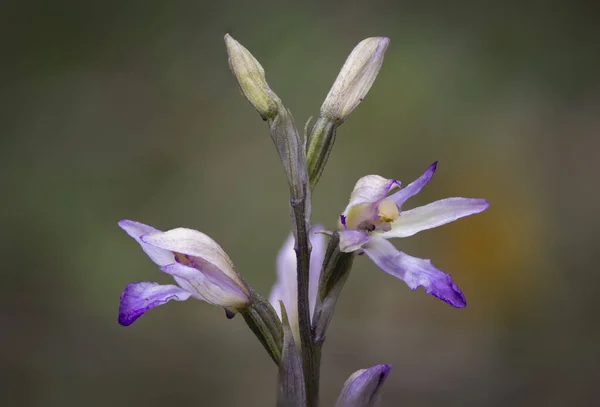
(369, 218)
(387, 211)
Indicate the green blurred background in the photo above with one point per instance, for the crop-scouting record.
(117, 110)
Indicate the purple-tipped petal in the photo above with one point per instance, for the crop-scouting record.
(207, 283)
(415, 272)
(137, 230)
(139, 297)
(414, 187)
(352, 240)
(363, 387)
(435, 214)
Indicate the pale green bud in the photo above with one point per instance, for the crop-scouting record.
(355, 79)
(251, 78)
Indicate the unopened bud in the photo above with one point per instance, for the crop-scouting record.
(363, 387)
(251, 78)
(355, 79)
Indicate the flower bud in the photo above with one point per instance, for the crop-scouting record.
(251, 78)
(355, 79)
(363, 386)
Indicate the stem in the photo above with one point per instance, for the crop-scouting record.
(310, 356)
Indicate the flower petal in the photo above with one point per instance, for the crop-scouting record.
(435, 214)
(208, 284)
(285, 288)
(363, 386)
(414, 187)
(414, 272)
(319, 246)
(139, 297)
(194, 243)
(371, 188)
(136, 230)
(352, 240)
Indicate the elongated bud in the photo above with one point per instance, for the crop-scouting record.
(362, 388)
(251, 78)
(355, 79)
(350, 88)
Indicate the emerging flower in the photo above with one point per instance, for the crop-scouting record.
(198, 264)
(285, 288)
(355, 79)
(372, 216)
(362, 388)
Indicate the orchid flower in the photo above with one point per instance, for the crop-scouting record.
(363, 386)
(373, 216)
(200, 267)
(285, 288)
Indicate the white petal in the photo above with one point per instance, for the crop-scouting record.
(433, 215)
(137, 230)
(319, 246)
(209, 285)
(285, 288)
(352, 240)
(194, 243)
(371, 188)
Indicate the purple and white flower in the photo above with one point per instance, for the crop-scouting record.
(285, 288)
(363, 386)
(200, 267)
(374, 214)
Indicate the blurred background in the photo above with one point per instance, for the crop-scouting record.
(117, 110)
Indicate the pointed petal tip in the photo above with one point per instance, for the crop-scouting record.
(452, 296)
(384, 371)
(383, 43)
(128, 225)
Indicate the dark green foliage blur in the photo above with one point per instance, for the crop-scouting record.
(115, 110)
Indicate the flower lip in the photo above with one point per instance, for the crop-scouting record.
(139, 297)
